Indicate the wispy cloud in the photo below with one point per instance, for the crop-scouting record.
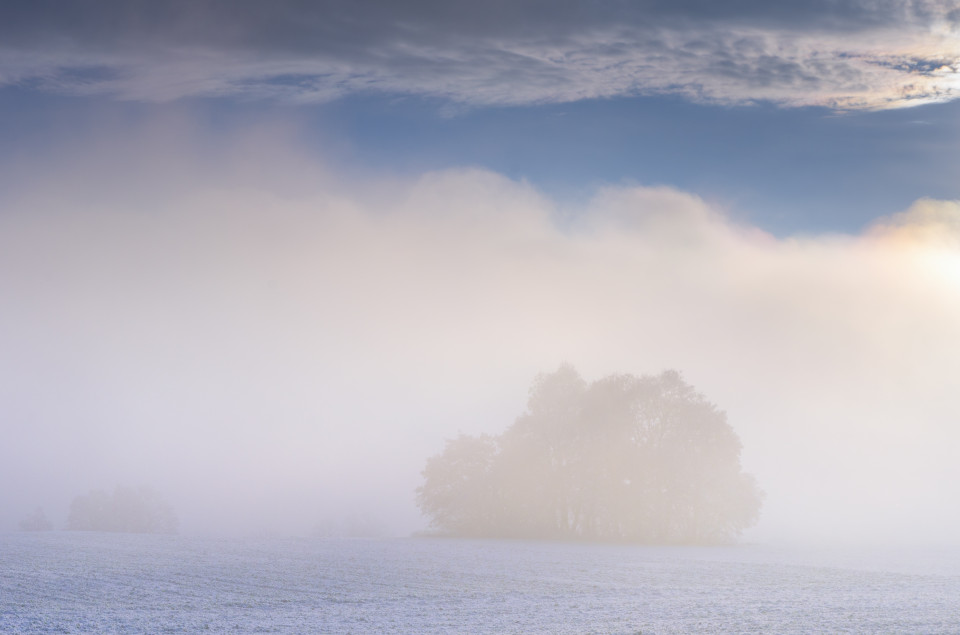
(843, 55)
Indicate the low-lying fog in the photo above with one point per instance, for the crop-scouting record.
(276, 344)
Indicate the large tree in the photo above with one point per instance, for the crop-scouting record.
(642, 459)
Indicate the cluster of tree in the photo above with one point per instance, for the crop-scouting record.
(139, 510)
(639, 459)
(36, 521)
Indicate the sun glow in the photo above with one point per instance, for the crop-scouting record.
(945, 264)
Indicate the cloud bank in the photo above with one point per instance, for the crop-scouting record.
(270, 344)
(853, 54)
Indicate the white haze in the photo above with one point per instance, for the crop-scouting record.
(272, 346)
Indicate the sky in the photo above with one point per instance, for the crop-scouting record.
(266, 257)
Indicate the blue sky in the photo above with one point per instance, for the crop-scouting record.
(786, 170)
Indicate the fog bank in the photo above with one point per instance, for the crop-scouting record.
(273, 345)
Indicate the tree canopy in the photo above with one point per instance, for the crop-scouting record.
(640, 459)
(140, 510)
(36, 521)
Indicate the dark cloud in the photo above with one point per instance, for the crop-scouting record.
(820, 52)
(298, 25)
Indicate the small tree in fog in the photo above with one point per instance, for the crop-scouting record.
(36, 521)
(130, 510)
(460, 493)
(643, 459)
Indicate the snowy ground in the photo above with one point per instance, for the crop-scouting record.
(81, 583)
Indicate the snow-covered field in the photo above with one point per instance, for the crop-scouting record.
(85, 583)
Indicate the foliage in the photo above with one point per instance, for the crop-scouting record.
(36, 521)
(641, 459)
(130, 510)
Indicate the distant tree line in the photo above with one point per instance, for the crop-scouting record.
(36, 521)
(641, 459)
(133, 510)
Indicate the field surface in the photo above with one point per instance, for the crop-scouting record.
(62, 582)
